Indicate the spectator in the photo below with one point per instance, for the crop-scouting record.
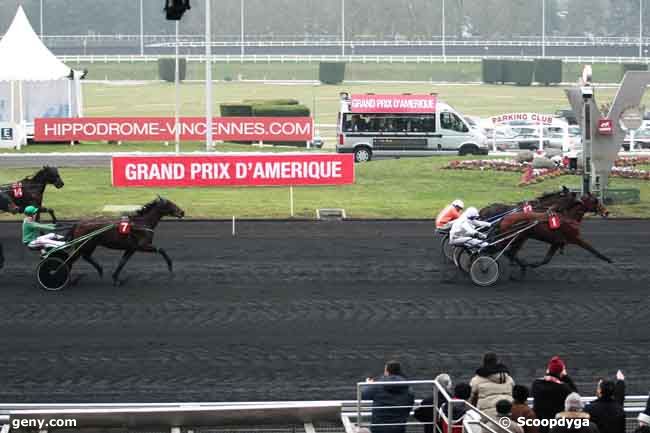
(520, 408)
(503, 409)
(491, 383)
(424, 413)
(397, 398)
(573, 411)
(550, 392)
(642, 429)
(607, 410)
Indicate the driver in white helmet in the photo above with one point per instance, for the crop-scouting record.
(450, 213)
(465, 230)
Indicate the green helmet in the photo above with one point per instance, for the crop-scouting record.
(31, 210)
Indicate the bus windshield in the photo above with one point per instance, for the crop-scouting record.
(389, 123)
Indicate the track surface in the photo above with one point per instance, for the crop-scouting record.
(303, 310)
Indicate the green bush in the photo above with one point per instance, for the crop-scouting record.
(271, 101)
(519, 72)
(632, 67)
(236, 110)
(281, 110)
(167, 69)
(492, 71)
(331, 72)
(548, 71)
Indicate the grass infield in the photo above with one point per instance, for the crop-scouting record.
(395, 188)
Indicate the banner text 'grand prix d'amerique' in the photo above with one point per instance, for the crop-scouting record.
(164, 129)
(233, 170)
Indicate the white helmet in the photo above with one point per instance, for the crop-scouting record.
(458, 203)
(471, 213)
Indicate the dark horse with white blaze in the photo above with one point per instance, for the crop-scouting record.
(138, 237)
(15, 197)
(570, 216)
(539, 204)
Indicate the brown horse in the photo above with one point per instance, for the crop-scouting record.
(568, 232)
(139, 237)
(540, 204)
(30, 191)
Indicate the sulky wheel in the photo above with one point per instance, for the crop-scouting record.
(484, 271)
(53, 273)
(447, 249)
(462, 258)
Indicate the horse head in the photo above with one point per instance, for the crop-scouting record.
(169, 208)
(50, 176)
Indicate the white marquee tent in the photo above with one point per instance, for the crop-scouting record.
(33, 82)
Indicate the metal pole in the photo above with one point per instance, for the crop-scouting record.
(586, 160)
(291, 199)
(177, 131)
(241, 16)
(41, 20)
(343, 27)
(640, 28)
(543, 28)
(444, 48)
(142, 28)
(208, 76)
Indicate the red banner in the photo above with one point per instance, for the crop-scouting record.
(163, 129)
(233, 170)
(605, 127)
(393, 103)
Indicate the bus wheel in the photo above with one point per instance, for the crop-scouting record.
(362, 154)
(468, 149)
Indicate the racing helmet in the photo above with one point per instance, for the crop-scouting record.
(31, 210)
(458, 203)
(471, 213)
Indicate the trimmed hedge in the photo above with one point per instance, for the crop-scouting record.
(519, 72)
(331, 72)
(548, 71)
(281, 110)
(492, 71)
(167, 69)
(271, 101)
(236, 110)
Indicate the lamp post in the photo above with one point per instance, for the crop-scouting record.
(444, 49)
(640, 28)
(177, 131)
(343, 27)
(208, 76)
(41, 20)
(241, 19)
(543, 28)
(141, 27)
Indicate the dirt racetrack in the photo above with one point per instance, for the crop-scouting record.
(303, 310)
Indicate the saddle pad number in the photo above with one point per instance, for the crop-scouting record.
(18, 190)
(528, 208)
(124, 228)
(554, 222)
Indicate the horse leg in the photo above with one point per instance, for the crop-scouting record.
(163, 253)
(52, 215)
(587, 246)
(88, 257)
(2, 258)
(549, 255)
(125, 258)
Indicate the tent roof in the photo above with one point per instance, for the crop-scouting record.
(24, 57)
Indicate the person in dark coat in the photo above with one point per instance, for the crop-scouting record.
(424, 413)
(550, 391)
(607, 410)
(389, 396)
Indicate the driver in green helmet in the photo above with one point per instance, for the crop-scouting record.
(32, 232)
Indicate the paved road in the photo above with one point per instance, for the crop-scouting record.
(303, 310)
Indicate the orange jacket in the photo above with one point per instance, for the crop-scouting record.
(447, 215)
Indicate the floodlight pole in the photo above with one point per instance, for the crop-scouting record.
(342, 27)
(241, 16)
(640, 28)
(543, 28)
(444, 48)
(177, 132)
(208, 77)
(586, 149)
(41, 20)
(141, 27)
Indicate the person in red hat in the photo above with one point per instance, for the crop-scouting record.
(550, 391)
